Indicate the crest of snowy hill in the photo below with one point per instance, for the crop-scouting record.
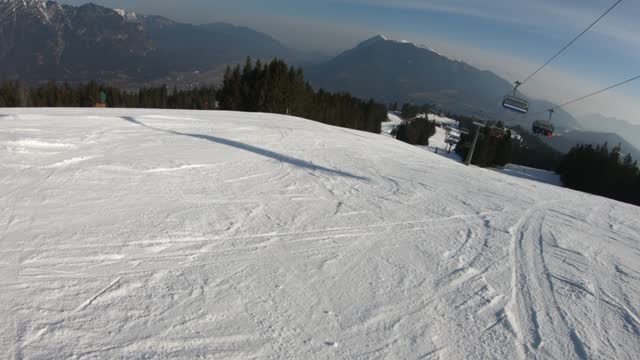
(183, 234)
(399, 71)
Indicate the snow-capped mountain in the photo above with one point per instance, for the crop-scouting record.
(14, 9)
(383, 38)
(49, 40)
(127, 15)
(398, 71)
(42, 41)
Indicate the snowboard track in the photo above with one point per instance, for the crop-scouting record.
(256, 244)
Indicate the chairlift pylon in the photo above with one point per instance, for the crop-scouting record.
(515, 103)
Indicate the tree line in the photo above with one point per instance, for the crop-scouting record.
(533, 152)
(415, 132)
(600, 171)
(530, 151)
(52, 94)
(494, 146)
(277, 88)
(272, 87)
(409, 110)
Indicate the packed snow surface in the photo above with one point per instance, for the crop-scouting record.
(393, 121)
(526, 172)
(179, 234)
(444, 120)
(437, 142)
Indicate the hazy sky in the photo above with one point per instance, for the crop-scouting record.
(509, 37)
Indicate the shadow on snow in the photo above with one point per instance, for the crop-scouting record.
(256, 150)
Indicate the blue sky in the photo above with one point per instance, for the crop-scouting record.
(508, 37)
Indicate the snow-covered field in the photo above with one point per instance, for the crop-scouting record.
(443, 120)
(179, 234)
(525, 172)
(388, 126)
(437, 142)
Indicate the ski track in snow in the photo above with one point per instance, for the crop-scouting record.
(184, 234)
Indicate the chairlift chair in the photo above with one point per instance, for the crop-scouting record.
(542, 127)
(515, 103)
(451, 141)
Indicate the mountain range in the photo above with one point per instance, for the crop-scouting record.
(50, 41)
(398, 71)
(41, 41)
(601, 123)
(572, 138)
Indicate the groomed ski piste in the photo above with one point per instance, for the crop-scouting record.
(185, 234)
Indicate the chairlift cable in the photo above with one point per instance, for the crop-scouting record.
(569, 44)
(598, 92)
(590, 95)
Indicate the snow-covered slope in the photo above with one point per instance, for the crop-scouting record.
(438, 140)
(388, 126)
(178, 234)
(525, 172)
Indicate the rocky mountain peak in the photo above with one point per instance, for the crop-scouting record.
(374, 40)
(12, 9)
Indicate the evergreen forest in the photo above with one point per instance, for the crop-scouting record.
(256, 87)
(601, 171)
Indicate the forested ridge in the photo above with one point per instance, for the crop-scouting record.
(272, 87)
(416, 131)
(600, 171)
(494, 146)
(277, 88)
(52, 94)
